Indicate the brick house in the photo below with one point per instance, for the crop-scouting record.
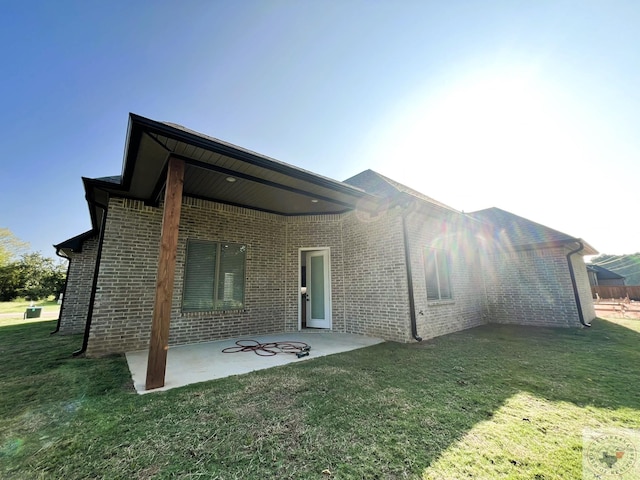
(200, 240)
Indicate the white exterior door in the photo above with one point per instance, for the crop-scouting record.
(318, 296)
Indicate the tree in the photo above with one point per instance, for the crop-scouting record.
(55, 279)
(33, 277)
(9, 281)
(39, 276)
(10, 246)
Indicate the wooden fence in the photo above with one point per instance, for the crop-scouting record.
(617, 291)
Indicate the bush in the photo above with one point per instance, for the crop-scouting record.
(33, 277)
(9, 282)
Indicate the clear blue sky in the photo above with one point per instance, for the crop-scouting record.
(530, 106)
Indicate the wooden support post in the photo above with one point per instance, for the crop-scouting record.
(159, 342)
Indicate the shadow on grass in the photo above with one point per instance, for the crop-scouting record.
(412, 402)
(38, 369)
(594, 366)
(385, 411)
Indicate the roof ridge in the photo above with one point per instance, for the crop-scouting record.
(525, 219)
(402, 188)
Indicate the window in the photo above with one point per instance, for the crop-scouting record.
(437, 274)
(214, 276)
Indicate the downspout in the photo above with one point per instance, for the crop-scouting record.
(94, 283)
(407, 260)
(574, 284)
(64, 293)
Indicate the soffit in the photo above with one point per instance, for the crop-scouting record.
(260, 182)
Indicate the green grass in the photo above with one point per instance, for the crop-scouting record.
(19, 305)
(12, 313)
(491, 402)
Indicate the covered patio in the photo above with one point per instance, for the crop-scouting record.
(200, 362)
(164, 165)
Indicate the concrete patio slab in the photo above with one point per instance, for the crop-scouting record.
(200, 362)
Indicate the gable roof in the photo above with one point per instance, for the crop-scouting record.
(377, 184)
(218, 171)
(74, 244)
(604, 273)
(520, 233)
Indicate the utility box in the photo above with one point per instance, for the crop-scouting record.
(33, 312)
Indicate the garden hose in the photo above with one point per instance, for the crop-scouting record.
(269, 349)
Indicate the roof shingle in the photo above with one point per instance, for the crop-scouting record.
(377, 184)
(518, 231)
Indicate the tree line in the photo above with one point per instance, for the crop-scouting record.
(29, 275)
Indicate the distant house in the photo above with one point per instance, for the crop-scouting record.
(600, 276)
(201, 240)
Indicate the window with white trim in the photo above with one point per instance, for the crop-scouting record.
(213, 276)
(437, 275)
